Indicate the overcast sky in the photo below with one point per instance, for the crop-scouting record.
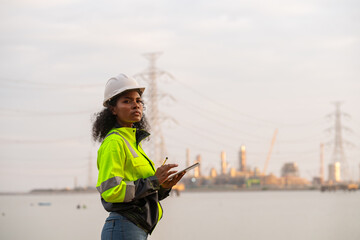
(241, 70)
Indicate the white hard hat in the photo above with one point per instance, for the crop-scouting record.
(119, 84)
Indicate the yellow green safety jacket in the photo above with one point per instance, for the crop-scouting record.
(126, 179)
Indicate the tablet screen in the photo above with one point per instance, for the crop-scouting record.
(185, 169)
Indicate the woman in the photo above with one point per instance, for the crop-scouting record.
(130, 187)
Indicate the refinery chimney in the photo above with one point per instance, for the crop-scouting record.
(334, 172)
(223, 163)
(242, 158)
(197, 172)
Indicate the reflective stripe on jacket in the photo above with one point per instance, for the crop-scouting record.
(126, 178)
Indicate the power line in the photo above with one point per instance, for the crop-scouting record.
(53, 172)
(4, 111)
(207, 137)
(235, 129)
(300, 140)
(219, 121)
(264, 121)
(296, 153)
(49, 85)
(44, 160)
(190, 145)
(234, 136)
(38, 141)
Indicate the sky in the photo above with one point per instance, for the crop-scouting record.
(241, 69)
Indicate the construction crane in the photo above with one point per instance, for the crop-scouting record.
(269, 153)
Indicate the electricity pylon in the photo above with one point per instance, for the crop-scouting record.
(151, 76)
(338, 154)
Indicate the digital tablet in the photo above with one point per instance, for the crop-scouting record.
(186, 169)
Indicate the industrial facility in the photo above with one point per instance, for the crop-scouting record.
(244, 177)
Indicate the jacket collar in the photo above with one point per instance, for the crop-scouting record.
(133, 134)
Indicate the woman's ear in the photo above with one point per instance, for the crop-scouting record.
(112, 109)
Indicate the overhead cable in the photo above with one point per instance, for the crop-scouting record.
(47, 84)
(43, 113)
(38, 141)
(264, 121)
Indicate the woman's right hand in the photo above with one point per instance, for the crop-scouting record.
(163, 172)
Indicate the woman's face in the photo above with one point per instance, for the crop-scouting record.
(128, 109)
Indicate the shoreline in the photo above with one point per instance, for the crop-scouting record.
(187, 190)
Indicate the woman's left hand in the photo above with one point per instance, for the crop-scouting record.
(169, 183)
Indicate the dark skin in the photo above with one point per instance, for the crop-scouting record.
(163, 173)
(128, 110)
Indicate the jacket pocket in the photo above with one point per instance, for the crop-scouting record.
(142, 168)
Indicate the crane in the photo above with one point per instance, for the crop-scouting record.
(269, 153)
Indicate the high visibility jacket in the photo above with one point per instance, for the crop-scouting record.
(126, 178)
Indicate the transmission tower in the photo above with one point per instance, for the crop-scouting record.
(338, 154)
(151, 75)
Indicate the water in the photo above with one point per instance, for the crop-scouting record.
(215, 215)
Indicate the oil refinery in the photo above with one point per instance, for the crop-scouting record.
(245, 178)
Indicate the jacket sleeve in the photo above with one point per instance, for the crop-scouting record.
(111, 184)
(163, 193)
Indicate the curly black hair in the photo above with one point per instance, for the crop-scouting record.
(105, 120)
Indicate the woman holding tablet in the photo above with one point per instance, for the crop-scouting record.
(129, 185)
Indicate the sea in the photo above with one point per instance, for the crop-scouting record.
(270, 215)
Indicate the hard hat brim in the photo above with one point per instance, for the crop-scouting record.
(119, 91)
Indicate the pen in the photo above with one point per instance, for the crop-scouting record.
(164, 161)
